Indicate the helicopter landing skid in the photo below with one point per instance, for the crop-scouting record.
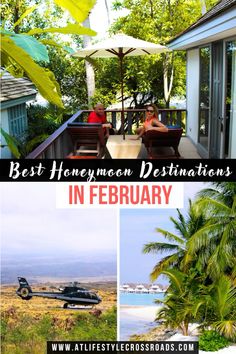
(76, 307)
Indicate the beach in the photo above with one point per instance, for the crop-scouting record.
(136, 320)
(141, 321)
(147, 313)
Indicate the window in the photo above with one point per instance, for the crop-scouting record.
(204, 109)
(17, 120)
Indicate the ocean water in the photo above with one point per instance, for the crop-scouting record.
(133, 299)
(129, 324)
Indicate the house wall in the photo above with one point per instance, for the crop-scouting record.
(4, 152)
(192, 92)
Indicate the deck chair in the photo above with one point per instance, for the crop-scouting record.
(88, 140)
(154, 139)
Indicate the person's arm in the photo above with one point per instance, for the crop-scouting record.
(157, 125)
(107, 125)
(142, 131)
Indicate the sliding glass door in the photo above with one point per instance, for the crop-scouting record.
(204, 104)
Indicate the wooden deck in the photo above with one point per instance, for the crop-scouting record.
(59, 144)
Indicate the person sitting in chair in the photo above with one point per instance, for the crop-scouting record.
(151, 122)
(99, 116)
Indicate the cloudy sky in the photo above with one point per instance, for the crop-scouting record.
(137, 227)
(31, 224)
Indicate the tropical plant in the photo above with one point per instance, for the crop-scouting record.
(215, 244)
(185, 227)
(20, 148)
(22, 53)
(212, 341)
(197, 292)
(222, 306)
(184, 300)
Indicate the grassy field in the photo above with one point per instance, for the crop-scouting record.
(27, 325)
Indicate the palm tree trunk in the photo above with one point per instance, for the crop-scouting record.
(108, 12)
(168, 75)
(203, 7)
(90, 77)
(185, 328)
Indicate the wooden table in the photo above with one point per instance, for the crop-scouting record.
(123, 149)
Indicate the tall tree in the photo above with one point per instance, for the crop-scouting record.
(159, 21)
(185, 227)
(90, 76)
(215, 243)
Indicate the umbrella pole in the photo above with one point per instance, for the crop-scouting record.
(121, 56)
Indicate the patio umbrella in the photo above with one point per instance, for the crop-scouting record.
(120, 45)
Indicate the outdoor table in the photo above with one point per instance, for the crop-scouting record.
(123, 149)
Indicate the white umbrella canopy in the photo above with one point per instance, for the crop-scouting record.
(120, 45)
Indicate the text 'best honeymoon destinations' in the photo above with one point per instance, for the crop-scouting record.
(131, 170)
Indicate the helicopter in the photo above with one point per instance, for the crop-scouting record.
(72, 295)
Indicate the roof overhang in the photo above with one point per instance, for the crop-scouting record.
(220, 27)
(17, 101)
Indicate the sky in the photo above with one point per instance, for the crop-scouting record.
(99, 19)
(31, 224)
(137, 227)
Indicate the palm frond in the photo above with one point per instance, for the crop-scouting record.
(156, 247)
(170, 236)
(226, 328)
(176, 277)
(163, 264)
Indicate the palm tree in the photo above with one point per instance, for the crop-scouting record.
(222, 306)
(184, 300)
(90, 75)
(185, 227)
(215, 243)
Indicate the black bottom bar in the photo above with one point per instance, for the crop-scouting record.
(122, 347)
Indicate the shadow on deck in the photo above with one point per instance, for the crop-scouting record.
(187, 150)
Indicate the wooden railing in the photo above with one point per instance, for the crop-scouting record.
(59, 144)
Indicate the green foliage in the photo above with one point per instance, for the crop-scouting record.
(97, 328)
(176, 243)
(156, 21)
(71, 28)
(43, 79)
(13, 144)
(79, 10)
(29, 334)
(20, 148)
(212, 341)
(71, 76)
(20, 51)
(30, 45)
(43, 120)
(200, 263)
